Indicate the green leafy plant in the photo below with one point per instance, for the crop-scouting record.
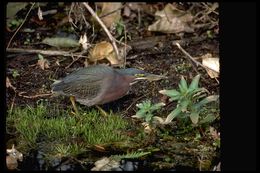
(121, 32)
(131, 155)
(120, 28)
(15, 73)
(14, 23)
(190, 100)
(146, 110)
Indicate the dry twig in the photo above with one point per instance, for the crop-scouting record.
(192, 60)
(8, 84)
(12, 105)
(70, 19)
(20, 26)
(35, 96)
(133, 103)
(44, 52)
(74, 60)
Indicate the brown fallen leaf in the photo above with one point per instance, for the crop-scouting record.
(110, 19)
(13, 156)
(127, 11)
(122, 54)
(84, 42)
(136, 5)
(100, 51)
(212, 63)
(11, 163)
(147, 128)
(104, 50)
(105, 164)
(172, 20)
(217, 167)
(8, 84)
(40, 13)
(43, 63)
(133, 6)
(215, 134)
(100, 148)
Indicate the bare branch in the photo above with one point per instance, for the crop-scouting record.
(44, 52)
(20, 26)
(192, 59)
(35, 96)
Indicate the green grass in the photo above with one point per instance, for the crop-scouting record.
(63, 134)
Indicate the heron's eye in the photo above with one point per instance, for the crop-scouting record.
(139, 75)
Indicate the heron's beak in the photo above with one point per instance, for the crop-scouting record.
(150, 77)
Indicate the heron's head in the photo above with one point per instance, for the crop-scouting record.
(140, 74)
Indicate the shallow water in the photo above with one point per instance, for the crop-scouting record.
(36, 162)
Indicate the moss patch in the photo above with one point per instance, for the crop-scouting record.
(63, 135)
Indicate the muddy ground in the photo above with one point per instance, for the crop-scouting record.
(33, 81)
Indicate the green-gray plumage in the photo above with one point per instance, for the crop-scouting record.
(97, 84)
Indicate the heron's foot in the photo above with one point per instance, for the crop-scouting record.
(72, 99)
(104, 113)
(74, 113)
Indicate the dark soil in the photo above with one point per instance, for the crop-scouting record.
(32, 80)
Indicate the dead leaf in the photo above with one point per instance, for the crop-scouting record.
(110, 19)
(123, 50)
(105, 164)
(122, 54)
(40, 14)
(103, 50)
(112, 59)
(136, 5)
(100, 148)
(172, 20)
(11, 163)
(15, 153)
(13, 156)
(132, 6)
(212, 63)
(57, 62)
(147, 128)
(100, 51)
(84, 42)
(127, 11)
(43, 63)
(8, 84)
(217, 167)
(214, 133)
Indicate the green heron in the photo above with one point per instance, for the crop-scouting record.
(99, 84)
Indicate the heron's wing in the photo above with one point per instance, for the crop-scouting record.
(85, 84)
(83, 89)
(93, 72)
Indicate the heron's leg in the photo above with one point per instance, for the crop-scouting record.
(104, 113)
(72, 99)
